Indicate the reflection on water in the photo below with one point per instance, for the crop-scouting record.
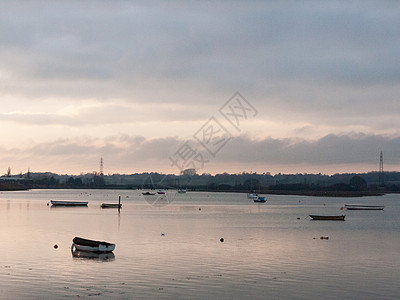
(93, 255)
(67, 207)
(174, 251)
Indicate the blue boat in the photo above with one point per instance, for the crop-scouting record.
(260, 200)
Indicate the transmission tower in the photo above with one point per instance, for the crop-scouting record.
(101, 166)
(381, 179)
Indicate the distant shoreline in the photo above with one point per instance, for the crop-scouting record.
(345, 194)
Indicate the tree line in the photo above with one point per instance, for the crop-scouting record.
(241, 182)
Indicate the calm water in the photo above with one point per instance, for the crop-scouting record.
(267, 251)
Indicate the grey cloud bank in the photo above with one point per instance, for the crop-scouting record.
(125, 44)
(138, 154)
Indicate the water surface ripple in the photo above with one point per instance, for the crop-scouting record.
(270, 250)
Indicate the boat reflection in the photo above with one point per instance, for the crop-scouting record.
(57, 207)
(93, 255)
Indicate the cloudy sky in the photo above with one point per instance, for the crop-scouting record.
(148, 86)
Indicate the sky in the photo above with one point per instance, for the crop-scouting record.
(227, 86)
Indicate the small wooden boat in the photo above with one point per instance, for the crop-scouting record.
(68, 203)
(148, 194)
(111, 205)
(260, 200)
(328, 218)
(363, 207)
(82, 244)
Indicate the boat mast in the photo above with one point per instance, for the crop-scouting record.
(381, 179)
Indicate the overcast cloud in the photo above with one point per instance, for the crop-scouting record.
(127, 154)
(324, 77)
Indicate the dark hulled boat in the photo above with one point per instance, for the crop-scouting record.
(68, 203)
(328, 218)
(82, 244)
(363, 207)
(111, 205)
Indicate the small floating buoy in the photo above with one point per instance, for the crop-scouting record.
(298, 218)
(221, 240)
(199, 208)
(162, 234)
(55, 246)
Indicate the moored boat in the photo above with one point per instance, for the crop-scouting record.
(363, 207)
(328, 218)
(148, 194)
(260, 200)
(252, 195)
(182, 191)
(68, 203)
(111, 205)
(160, 192)
(82, 244)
